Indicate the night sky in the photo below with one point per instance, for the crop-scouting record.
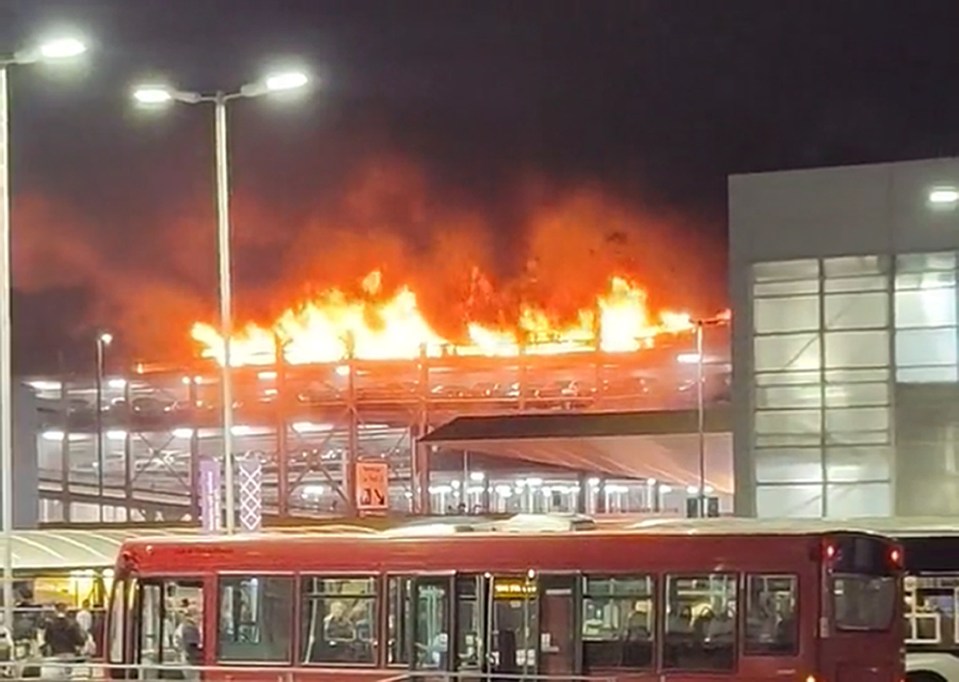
(479, 110)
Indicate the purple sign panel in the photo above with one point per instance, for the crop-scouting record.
(209, 492)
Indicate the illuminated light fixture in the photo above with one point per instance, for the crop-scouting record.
(477, 476)
(650, 482)
(241, 430)
(534, 482)
(944, 196)
(687, 358)
(267, 375)
(895, 556)
(183, 433)
(342, 371)
(692, 490)
(117, 383)
(116, 434)
(153, 94)
(314, 490)
(62, 48)
(290, 80)
(43, 385)
(185, 381)
(594, 482)
(308, 427)
(54, 435)
(665, 489)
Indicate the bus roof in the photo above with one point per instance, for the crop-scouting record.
(535, 525)
(897, 527)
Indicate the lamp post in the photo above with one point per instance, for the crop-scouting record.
(700, 326)
(160, 95)
(52, 50)
(104, 339)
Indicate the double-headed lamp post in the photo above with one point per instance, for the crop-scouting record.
(161, 95)
(51, 50)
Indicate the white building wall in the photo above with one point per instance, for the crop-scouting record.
(845, 343)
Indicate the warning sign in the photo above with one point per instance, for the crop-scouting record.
(372, 486)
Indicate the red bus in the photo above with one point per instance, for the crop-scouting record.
(702, 601)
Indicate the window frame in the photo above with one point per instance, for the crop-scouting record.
(218, 603)
(737, 581)
(657, 631)
(377, 631)
(797, 616)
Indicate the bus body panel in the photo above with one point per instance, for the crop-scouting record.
(824, 655)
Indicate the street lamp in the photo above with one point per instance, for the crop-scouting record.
(104, 339)
(162, 95)
(50, 50)
(699, 358)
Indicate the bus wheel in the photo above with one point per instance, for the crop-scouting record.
(924, 677)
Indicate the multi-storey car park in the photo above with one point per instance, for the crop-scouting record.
(600, 431)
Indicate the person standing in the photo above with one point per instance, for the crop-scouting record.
(62, 640)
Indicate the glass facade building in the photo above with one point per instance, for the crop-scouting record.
(846, 347)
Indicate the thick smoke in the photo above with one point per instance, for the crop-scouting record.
(465, 261)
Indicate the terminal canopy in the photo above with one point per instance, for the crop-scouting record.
(639, 445)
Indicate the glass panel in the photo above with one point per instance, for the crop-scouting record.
(863, 602)
(788, 396)
(618, 622)
(857, 463)
(857, 349)
(789, 269)
(171, 617)
(557, 620)
(398, 631)
(926, 347)
(469, 622)
(787, 378)
(927, 375)
(851, 500)
(789, 501)
(338, 620)
(786, 314)
(787, 352)
(255, 619)
(787, 440)
(849, 395)
(787, 421)
(787, 288)
(788, 465)
(700, 631)
(771, 624)
(857, 419)
(864, 283)
(118, 613)
(856, 311)
(514, 624)
(151, 624)
(431, 626)
(924, 262)
(853, 376)
(930, 307)
(846, 266)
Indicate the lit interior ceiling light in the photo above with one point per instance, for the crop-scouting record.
(943, 196)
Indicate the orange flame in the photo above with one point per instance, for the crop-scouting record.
(334, 325)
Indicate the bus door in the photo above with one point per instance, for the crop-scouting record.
(512, 638)
(168, 626)
(430, 620)
(558, 624)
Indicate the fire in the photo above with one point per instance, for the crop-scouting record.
(375, 326)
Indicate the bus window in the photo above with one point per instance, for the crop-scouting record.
(514, 616)
(255, 623)
(618, 622)
(431, 623)
(469, 619)
(863, 602)
(169, 624)
(339, 620)
(398, 623)
(700, 629)
(771, 625)
(117, 622)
